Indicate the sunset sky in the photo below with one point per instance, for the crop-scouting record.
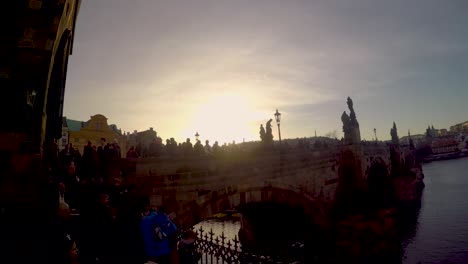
(223, 67)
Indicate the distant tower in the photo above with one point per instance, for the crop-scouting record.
(316, 133)
(375, 134)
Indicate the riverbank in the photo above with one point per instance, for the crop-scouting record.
(446, 156)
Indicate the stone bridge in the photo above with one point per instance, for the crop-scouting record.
(196, 188)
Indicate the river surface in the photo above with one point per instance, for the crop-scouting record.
(440, 234)
(442, 230)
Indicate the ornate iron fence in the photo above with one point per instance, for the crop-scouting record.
(219, 249)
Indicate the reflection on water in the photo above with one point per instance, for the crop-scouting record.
(441, 234)
(437, 233)
(230, 228)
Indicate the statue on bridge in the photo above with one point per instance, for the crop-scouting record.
(346, 126)
(262, 133)
(394, 134)
(266, 136)
(352, 134)
(269, 133)
(352, 114)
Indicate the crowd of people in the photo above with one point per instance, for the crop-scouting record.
(104, 219)
(172, 148)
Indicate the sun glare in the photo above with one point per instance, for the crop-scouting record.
(224, 118)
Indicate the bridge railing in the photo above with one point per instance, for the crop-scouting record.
(211, 248)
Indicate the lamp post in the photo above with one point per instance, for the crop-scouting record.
(375, 134)
(278, 119)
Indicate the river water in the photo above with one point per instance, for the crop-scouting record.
(442, 230)
(440, 234)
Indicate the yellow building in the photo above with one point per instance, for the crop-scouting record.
(79, 133)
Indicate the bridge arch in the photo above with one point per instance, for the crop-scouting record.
(268, 214)
(239, 199)
(272, 194)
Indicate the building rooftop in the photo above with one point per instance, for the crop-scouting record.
(73, 125)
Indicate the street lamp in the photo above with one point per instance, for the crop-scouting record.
(278, 119)
(197, 135)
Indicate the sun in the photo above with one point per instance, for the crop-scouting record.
(225, 118)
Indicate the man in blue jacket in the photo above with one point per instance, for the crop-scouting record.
(158, 231)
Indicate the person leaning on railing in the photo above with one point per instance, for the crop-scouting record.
(158, 232)
(186, 248)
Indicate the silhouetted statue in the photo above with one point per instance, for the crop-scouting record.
(262, 133)
(352, 114)
(346, 127)
(394, 134)
(352, 134)
(269, 133)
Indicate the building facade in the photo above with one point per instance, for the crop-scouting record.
(460, 128)
(141, 140)
(78, 133)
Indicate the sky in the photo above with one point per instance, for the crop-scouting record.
(221, 68)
